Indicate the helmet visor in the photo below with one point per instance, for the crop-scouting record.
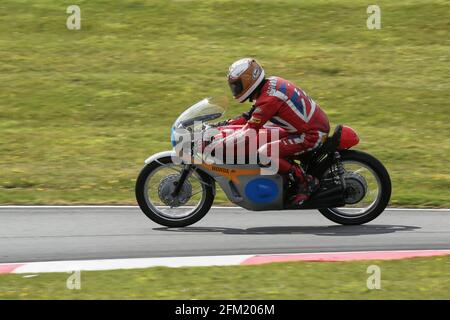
(236, 87)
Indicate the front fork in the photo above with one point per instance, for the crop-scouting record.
(187, 170)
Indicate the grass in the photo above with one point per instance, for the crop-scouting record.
(81, 110)
(418, 278)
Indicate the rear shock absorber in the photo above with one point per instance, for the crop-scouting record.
(340, 170)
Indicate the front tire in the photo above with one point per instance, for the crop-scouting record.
(342, 216)
(155, 212)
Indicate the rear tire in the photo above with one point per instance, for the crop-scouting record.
(199, 213)
(385, 193)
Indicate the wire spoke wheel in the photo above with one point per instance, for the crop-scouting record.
(368, 189)
(363, 189)
(159, 185)
(155, 194)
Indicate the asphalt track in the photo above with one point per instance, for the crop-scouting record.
(56, 233)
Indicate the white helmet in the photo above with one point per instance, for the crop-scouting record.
(244, 76)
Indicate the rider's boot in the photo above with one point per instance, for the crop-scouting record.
(306, 184)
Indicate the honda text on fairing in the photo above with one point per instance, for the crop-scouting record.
(177, 189)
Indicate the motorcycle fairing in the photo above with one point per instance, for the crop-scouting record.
(245, 187)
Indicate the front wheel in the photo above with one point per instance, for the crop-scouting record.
(154, 188)
(368, 189)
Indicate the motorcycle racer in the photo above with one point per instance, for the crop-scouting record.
(282, 103)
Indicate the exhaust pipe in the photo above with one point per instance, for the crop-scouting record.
(324, 199)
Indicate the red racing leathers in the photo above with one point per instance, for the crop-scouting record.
(286, 105)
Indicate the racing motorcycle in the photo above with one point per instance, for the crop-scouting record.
(174, 191)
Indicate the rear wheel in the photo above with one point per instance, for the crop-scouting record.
(368, 189)
(154, 188)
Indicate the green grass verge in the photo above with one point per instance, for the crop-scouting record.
(81, 110)
(419, 278)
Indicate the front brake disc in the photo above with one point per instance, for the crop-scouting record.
(166, 188)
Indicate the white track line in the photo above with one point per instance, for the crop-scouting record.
(203, 261)
(137, 263)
